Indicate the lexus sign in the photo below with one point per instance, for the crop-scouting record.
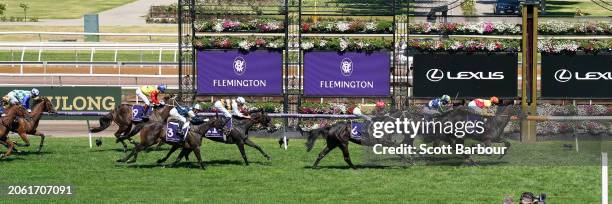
(465, 75)
(576, 76)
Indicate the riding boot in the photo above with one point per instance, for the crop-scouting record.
(145, 115)
(180, 130)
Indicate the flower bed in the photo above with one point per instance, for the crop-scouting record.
(480, 45)
(464, 45)
(487, 28)
(245, 44)
(572, 46)
(228, 25)
(502, 28)
(342, 44)
(353, 26)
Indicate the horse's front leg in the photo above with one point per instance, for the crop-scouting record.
(250, 143)
(240, 145)
(42, 140)
(5, 141)
(24, 137)
(172, 150)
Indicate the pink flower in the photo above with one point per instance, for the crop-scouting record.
(488, 27)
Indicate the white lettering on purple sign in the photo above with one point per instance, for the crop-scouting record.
(347, 84)
(240, 83)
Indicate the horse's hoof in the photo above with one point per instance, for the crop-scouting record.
(131, 161)
(269, 158)
(159, 161)
(120, 160)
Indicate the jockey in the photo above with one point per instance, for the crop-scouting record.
(439, 104)
(144, 92)
(234, 106)
(380, 108)
(357, 112)
(23, 97)
(181, 114)
(482, 106)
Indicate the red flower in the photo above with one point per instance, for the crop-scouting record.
(260, 42)
(305, 27)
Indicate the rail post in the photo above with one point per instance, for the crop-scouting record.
(89, 135)
(529, 72)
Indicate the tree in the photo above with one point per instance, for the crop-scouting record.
(2, 8)
(25, 8)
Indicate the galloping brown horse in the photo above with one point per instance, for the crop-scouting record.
(154, 132)
(193, 141)
(5, 123)
(122, 116)
(25, 126)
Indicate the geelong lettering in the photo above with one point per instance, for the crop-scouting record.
(240, 83)
(347, 84)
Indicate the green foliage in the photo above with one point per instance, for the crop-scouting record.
(468, 7)
(2, 8)
(25, 8)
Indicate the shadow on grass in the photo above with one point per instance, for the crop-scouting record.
(192, 164)
(11, 158)
(28, 153)
(359, 166)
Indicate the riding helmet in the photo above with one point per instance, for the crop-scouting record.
(162, 88)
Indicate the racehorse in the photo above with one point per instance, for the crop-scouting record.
(193, 141)
(159, 115)
(122, 116)
(493, 128)
(153, 132)
(339, 135)
(24, 126)
(5, 123)
(239, 136)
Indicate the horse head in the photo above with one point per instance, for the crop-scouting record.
(261, 117)
(47, 105)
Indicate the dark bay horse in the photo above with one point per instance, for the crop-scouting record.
(154, 132)
(239, 133)
(193, 141)
(28, 126)
(493, 128)
(122, 116)
(6, 123)
(338, 135)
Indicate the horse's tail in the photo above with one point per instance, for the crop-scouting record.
(105, 122)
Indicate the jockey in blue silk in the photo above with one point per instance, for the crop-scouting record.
(439, 103)
(181, 113)
(23, 97)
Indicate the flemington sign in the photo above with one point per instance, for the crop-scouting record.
(576, 76)
(465, 75)
(79, 99)
(232, 72)
(329, 73)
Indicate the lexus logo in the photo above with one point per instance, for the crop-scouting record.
(563, 75)
(435, 75)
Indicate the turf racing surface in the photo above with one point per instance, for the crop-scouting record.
(288, 178)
